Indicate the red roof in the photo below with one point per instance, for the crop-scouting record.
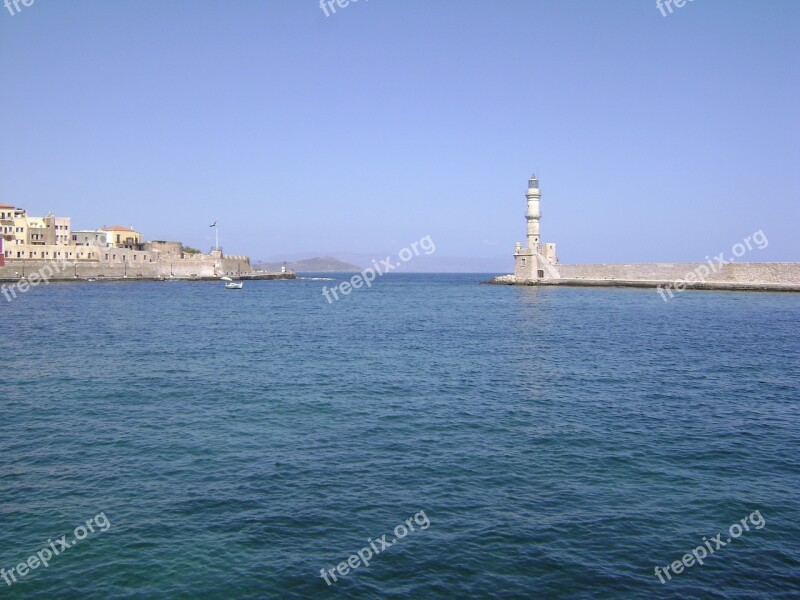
(117, 228)
(7, 206)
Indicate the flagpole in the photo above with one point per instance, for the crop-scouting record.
(216, 235)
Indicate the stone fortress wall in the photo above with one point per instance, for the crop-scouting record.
(48, 246)
(195, 267)
(746, 273)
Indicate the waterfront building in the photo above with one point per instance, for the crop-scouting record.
(26, 237)
(57, 230)
(8, 228)
(109, 251)
(91, 237)
(123, 237)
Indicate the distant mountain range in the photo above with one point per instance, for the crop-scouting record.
(349, 263)
(320, 264)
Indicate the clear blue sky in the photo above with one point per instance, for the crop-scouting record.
(655, 138)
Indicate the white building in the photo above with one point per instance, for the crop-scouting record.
(92, 237)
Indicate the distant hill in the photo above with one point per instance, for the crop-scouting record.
(320, 264)
(349, 261)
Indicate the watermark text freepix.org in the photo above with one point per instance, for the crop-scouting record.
(30, 281)
(15, 3)
(330, 5)
(662, 4)
(368, 275)
(54, 548)
(53, 267)
(710, 546)
(363, 556)
(699, 274)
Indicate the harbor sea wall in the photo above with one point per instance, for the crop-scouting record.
(775, 273)
(729, 276)
(178, 268)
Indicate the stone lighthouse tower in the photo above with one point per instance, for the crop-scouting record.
(537, 260)
(534, 212)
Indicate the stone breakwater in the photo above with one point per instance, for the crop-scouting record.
(234, 267)
(732, 276)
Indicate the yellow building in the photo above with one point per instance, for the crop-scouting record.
(9, 226)
(124, 237)
(35, 231)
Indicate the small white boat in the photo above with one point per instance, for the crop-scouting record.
(230, 284)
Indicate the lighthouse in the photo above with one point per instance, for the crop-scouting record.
(534, 214)
(537, 260)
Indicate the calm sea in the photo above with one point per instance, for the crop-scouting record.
(560, 442)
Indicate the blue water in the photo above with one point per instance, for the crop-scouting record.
(562, 442)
